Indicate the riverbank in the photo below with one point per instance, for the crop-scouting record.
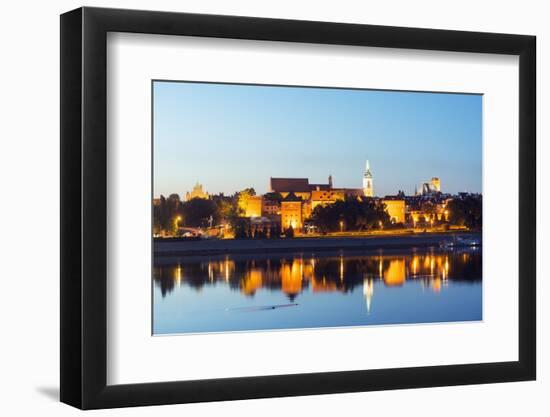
(235, 246)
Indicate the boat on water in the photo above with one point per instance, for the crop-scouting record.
(459, 241)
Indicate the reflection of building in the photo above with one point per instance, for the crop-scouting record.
(395, 274)
(252, 281)
(368, 292)
(197, 192)
(325, 274)
(395, 209)
(368, 188)
(291, 212)
(291, 277)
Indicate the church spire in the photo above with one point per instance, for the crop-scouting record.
(368, 189)
(367, 170)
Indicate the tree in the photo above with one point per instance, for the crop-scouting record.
(243, 196)
(289, 233)
(175, 198)
(197, 211)
(225, 207)
(466, 211)
(240, 228)
(363, 214)
(275, 231)
(165, 214)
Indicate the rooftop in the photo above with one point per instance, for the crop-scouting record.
(299, 185)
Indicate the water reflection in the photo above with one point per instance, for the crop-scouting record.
(292, 274)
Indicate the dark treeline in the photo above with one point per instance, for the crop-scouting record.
(166, 213)
(350, 214)
(466, 211)
(171, 213)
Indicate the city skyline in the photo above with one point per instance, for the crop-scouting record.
(229, 137)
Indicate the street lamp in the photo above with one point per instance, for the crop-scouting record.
(176, 225)
(341, 226)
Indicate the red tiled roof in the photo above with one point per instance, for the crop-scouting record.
(299, 185)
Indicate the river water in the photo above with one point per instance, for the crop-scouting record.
(315, 289)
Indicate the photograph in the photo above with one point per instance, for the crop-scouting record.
(301, 207)
(279, 205)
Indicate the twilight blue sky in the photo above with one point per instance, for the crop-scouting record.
(229, 137)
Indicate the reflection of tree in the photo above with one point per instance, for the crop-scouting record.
(295, 273)
(163, 280)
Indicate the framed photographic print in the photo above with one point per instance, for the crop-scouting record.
(258, 207)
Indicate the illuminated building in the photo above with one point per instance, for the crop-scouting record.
(426, 214)
(396, 210)
(253, 206)
(300, 187)
(291, 201)
(311, 195)
(291, 212)
(271, 208)
(322, 198)
(436, 184)
(197, 192)
(306, 209)
(368, 189)
(430, 188)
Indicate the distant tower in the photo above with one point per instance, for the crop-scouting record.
(436, 184)
(368, 188)
(330, 181)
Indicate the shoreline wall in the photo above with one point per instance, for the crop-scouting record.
(213, 247)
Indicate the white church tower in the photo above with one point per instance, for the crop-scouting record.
(368, 188)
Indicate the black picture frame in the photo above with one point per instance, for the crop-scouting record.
(84, 207)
